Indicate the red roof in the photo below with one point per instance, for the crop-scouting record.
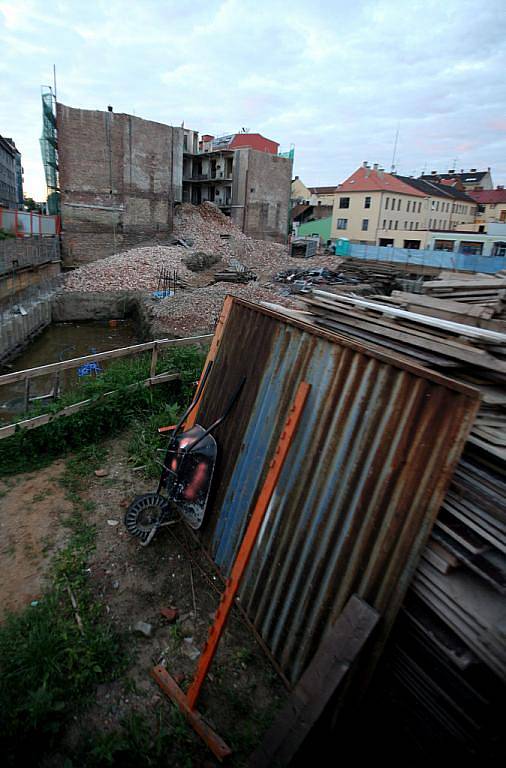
(369, 180)
(254, 141)
(485, 196)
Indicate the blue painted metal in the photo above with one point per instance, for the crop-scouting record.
(439, 259)
(363, 482)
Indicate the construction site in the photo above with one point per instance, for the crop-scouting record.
(291, 480)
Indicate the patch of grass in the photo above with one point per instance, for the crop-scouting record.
(26, 450)
(139, 744)
(49, 666)
(146, 443)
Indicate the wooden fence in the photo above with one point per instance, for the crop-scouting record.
(56, 368)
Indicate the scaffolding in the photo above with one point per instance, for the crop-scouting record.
(49, 149)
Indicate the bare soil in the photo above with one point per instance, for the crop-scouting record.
(32, 509)
(134, 583)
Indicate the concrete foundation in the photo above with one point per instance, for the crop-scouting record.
(17, 331)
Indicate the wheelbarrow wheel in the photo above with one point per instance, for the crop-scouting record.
(145, 513)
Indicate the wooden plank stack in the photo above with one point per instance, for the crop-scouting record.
(482, 290)
(446, 666)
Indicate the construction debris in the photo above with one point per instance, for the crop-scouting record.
(235, 273)
(200, 260)
(455, 606)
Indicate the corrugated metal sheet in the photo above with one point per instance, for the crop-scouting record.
(363, 482)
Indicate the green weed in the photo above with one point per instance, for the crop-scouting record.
(26, 450)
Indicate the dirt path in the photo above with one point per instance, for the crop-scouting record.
(32, 508)
(134, 584)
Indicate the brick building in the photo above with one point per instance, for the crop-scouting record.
(119, 177)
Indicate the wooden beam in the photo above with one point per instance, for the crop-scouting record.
(43, 370)
(215, 743)
(211, 355)
(319, 683)
(38, 421)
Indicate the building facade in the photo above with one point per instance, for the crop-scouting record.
(377, 208)
(119, 178)
(250, 185)
(11, 175)
(491, 207)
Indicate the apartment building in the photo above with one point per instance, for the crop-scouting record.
(378, 208)
(491, 206)
(11, 175)
(371, 202)
(243, 175)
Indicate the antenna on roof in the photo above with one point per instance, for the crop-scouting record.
(392, 168)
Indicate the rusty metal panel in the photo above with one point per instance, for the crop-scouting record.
(367, 472)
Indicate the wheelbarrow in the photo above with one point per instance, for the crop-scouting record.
(186, 477)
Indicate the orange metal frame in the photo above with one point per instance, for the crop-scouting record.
(187, 703)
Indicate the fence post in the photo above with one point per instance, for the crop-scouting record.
(154, 360)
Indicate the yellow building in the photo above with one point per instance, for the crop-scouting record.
(379, 208)
(491, 207)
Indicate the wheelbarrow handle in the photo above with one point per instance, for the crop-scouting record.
(215, 424)
(193, 403)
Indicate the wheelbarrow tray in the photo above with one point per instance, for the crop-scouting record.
(187, 482)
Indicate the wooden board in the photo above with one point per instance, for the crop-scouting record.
(335, 657)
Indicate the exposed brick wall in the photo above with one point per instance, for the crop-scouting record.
(262, 182)
(119, 176)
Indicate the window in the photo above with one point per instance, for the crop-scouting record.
(437, 205)
(384, 223)
(407, 205)
(367, 202)
(342, 223)
(386, 203)
(411, 225)
(365, 225)
(405, 225)
(390, 224)
(399, 204)
(393, 203)
(344, 202)
(419, 207)
(416, 225)
(395, 227)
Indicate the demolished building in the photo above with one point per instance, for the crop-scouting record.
(120, 177)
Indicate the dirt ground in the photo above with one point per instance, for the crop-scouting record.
(134, 583)
(32, 508)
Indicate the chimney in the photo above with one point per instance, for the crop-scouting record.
(109, 108)
(433, 173)
(473, 170)
(451, 170)
(365, 164)
(500, 186)
(375, 166)
(380, 172)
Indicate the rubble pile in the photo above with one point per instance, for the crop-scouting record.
(135, 270)
(200, 309)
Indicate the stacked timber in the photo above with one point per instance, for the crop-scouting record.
(482, 290)
(446, 667)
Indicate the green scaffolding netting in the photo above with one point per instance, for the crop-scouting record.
(49, 149)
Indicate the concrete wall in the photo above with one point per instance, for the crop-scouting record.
(16, 330)
(261, 194)
(119, 176)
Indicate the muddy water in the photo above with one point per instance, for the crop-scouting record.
(61, 341)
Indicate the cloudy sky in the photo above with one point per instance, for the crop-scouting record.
(335, 78)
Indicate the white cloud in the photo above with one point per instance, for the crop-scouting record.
(334, 77)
